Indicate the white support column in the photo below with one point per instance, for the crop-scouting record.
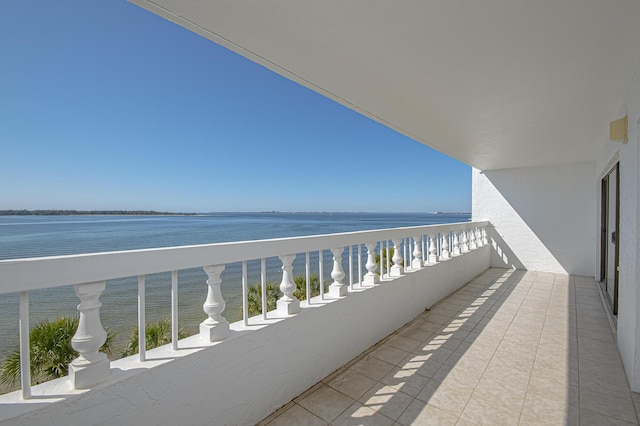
(433, 258)
(397, 270)
(288, 304)
(92, 366)
(215, 327)
(337, 288)
(456, 243)
(417, 263)
(465, 242)
(472, 240)
(371, 277)
(444, 253)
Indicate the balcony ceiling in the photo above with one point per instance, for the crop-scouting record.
(495, 84)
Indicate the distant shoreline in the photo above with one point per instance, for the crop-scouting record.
(89, 213)
(54, 212)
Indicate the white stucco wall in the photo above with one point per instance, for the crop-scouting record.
(628, 156)
(542, 216)
(255, 371)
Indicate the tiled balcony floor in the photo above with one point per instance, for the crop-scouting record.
(511, 347)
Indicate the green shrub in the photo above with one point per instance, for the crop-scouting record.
(384, 259)
(156, 334)
(50, 352)
(254, 293)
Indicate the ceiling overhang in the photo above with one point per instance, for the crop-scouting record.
(495, 84)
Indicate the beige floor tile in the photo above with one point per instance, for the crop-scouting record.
(500, 373)
(501, 394)
(390, 354)
(483, 412)
(597, 335)
(352, 384)
(420, 414)
(372, 367)
(386, 400)
(603, 378)
(589, 418)
(297, 416)
(403, 343)
(547, 408)
(360, 415)
(416, 334)
(406, 381)
(326, 403)
(621, 409)
(448, 396)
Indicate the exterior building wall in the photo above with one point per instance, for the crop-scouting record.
(628, 321)
(541, 216)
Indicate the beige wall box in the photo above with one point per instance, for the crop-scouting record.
(618, 130)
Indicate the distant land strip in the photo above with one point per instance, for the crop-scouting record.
(89, 212)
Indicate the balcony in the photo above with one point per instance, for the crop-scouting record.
(510, 347)
(243, 371)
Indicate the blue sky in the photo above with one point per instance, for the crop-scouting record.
(104, 105)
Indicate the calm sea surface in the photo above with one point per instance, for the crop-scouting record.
(35, 236)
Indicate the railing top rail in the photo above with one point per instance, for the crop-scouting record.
(55, 271)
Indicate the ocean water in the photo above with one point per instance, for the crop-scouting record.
(36, 236)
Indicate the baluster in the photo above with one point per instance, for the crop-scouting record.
(215, 327)
(407, 260)
(456, 243)
(25, 352)
(174, 310)
(360, 265)
(479, 237)
(351, 268)
(142, 322)
(417, 263)
(337, 287)
(465, 242)
(288, 304)
(91, 367)
(371, 277)
(307, 274)
(444, 254)
(433, 258)
(472, 240)
(485, 240)
(388, 259)
(245, 294)
(397, 270)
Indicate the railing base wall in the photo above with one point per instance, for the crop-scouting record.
(252, 373)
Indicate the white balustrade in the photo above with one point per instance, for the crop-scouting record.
(371, 277)
(444, 252)
(456, 243)
(465, 242)
(417, 263)
(288, 304)
(92, 366)
(337, 288)
(472, 240)
(433, 258)
(397, 270)
(216, 327)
